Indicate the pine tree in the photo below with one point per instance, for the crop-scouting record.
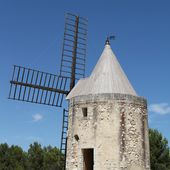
(159, 151)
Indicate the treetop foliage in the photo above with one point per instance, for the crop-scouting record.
(159, 151)
(36, 158)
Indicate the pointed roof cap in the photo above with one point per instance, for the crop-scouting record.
(107, 77)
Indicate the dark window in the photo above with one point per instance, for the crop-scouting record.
(76, 137)
(84, 110)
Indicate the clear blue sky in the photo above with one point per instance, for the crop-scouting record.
(31, 33)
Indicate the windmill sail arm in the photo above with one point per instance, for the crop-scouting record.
(74, 48)
(37, 87)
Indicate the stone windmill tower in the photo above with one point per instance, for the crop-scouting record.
(108, 126)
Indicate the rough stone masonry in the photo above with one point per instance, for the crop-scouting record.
(108, 122)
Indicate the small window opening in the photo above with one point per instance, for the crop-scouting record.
(84, 110)
(76, 137)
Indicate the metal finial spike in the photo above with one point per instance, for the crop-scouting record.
(107, 41)
(112, 37)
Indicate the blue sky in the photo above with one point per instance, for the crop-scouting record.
(31, 33)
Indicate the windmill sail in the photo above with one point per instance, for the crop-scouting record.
(37, 87)
(74, 48)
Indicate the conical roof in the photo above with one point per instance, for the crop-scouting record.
(107, 77)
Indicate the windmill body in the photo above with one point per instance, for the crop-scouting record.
(108, 125)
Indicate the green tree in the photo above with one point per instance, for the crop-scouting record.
(52, 159)
(12, 158)
(4, 155)
(47, 158)
(18, 158)
(159, 151)
(35, 157)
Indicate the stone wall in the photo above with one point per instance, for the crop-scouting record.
(116, 127)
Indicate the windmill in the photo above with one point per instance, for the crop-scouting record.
(39, 87)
